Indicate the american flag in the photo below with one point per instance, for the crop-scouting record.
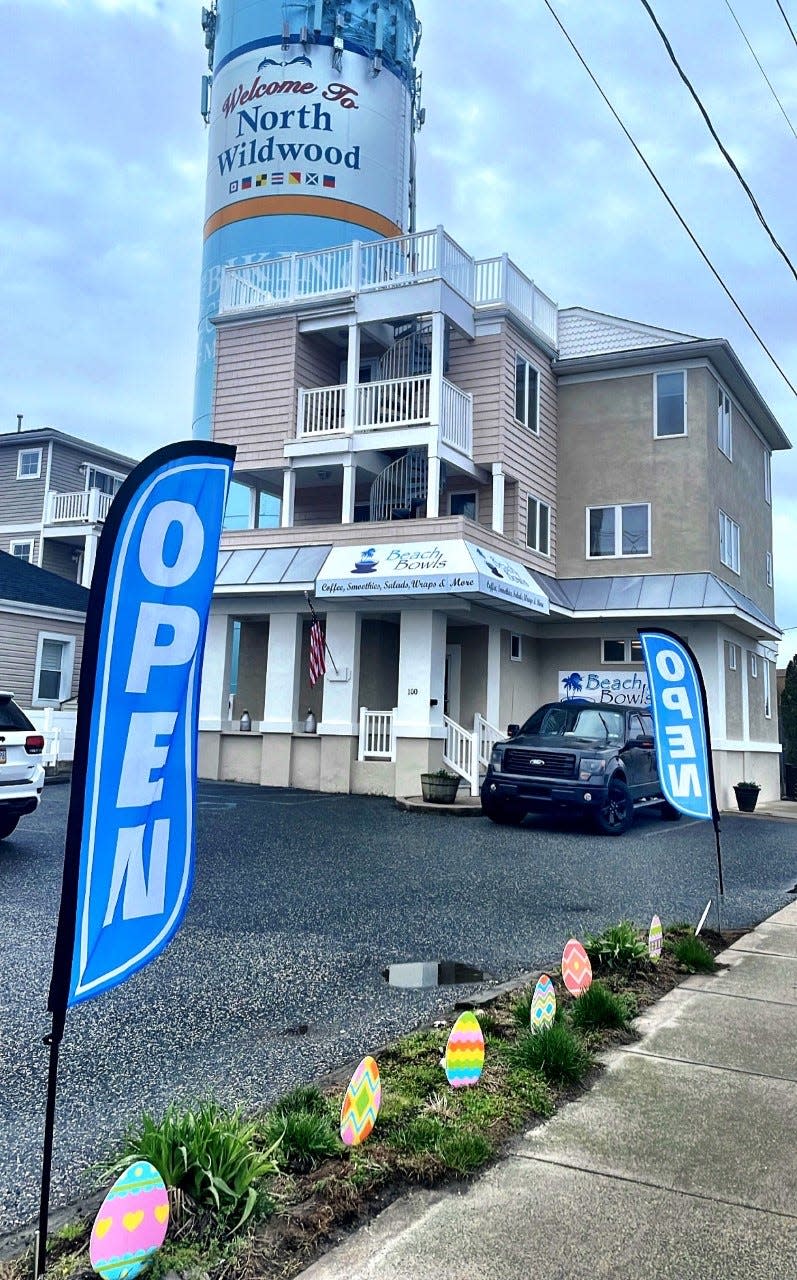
(317, 664)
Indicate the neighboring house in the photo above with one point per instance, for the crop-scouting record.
(42, 617)
(55, 491)
(484, 497)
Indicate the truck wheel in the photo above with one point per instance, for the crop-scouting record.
(668, 813)
(7, 825)
(507, 816)
(616, 812)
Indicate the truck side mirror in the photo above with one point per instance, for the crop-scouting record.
(512, 730)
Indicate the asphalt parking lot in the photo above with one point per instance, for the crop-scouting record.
(300, 901)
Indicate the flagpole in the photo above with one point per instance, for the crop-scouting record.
(53, 1040)
(316, 619)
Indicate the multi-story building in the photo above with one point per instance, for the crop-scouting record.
(55, 491)
(482, 498)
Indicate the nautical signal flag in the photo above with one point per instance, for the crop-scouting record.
(261, 180)
(318, 664)
(329, 180)
(294, 179)
(246, 184)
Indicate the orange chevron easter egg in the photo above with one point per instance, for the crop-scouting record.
(576, 968)
(361, 1104)
(464, 1057)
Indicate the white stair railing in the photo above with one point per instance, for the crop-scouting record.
(377, 738)
(486, 737)
(466, 752)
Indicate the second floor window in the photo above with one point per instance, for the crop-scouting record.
(618, 531)
(527, 394)
(670, 415)
(538, 528)
(29, 464)
(724, 430)
(105, 481)
(729, 542)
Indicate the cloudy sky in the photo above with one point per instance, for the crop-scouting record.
(103, 159)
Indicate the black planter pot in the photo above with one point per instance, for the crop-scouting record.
(746, 797)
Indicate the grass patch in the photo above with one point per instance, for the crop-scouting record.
(619, 946)
(556, 1052)
(694, 955)
(301, 1139)
(600, 1009)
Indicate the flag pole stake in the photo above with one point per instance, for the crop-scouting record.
(53, 1040)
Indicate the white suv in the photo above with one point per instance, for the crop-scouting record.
(21, 769)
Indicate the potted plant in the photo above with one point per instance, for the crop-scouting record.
(440, 787)
(746, 795)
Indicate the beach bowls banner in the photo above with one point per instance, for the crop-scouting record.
(361, 1104)
(131, 1224)
(576, 968)
(464, 1057)
(655, 938)
(543, 1004)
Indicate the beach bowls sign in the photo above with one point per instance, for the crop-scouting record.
(655, 939)
(361, 1104)
(543, 1004)
(576, 968)
(464, 1057)
(131, 1224)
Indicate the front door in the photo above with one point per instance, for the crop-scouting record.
(453, 677)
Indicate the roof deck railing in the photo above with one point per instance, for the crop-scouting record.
(389, 264)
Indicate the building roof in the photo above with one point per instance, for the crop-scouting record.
(42, 435)
(590, 333)
(651, 593)
(28, 584)
(292, 568)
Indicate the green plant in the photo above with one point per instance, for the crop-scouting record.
(600, 1008)
(304, 1137)
(618, 947)
(557, 1052)
(754, 786)
(443, 773)
(210, 1154)
(788, 711)
(694, 955)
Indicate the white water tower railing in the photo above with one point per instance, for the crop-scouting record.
(84, 506)
(456, 418)
(377, 738)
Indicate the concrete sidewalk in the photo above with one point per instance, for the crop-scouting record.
(680, 1163)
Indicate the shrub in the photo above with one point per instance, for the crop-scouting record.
(600, 1008)
(694, 955)
(555, 1051)
(210, 1154)
(303, 1135)
(617, 947)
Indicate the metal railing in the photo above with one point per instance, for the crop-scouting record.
(385, 264)
(377, 738)
(85, 506)
(401, 488)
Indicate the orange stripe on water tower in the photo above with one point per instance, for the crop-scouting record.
(312, 206)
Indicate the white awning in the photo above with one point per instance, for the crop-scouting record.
(434, 568)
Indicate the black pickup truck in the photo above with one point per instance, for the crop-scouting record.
(594, 758)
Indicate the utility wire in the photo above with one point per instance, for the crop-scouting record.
(669, 200)
(760, 68)
(786, 20)
(725, 152)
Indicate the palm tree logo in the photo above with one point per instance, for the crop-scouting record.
(572, 683)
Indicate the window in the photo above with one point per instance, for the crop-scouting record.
(724, 430)
(538, 526)
(618, 531)
(526, 394)
(55, 660)
(22, 550)
(463, 504)
(105, 481)
(754, 665)
(515, 647)
(29, 464)
(767, 477)
(733, 655)
(769, 568)
(729, 542)
(621, 651)
(670, 413)
(767, 690)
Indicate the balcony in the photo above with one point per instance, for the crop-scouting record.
(86, 506)
(394, 402)
(366, 267)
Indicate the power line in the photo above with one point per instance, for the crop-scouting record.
(726, 154)
(786, 20)
(669, 200)
(760, 68)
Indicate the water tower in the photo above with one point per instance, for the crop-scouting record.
(312, 109)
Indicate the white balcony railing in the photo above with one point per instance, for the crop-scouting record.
(85, 506)
(384, 264)
(393, 402)
(377, 739)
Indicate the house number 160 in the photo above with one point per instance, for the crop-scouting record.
(412, 693)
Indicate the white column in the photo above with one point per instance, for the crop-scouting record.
(254, 503)
(703, 642)
(493, 712)
(352, 377)
(422, 657)
(340, 713)
(436, 371)
(288, 498)
(433, 483)
(499, 495)
(349, 488)
(89, 557)
(283, 673)
(215, 684)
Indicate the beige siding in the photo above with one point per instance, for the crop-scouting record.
(254, 405)
(475, 366)
(18, 653)
(321, 505)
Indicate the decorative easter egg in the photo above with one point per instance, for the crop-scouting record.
(131, 1224)
(543, 1004)
(464, 1058)
(576, 968)
(361, 1104)
(655, 937)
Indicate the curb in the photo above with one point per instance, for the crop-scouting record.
(470, 808)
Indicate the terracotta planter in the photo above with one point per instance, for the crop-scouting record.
(746, 797)
(439, 790)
